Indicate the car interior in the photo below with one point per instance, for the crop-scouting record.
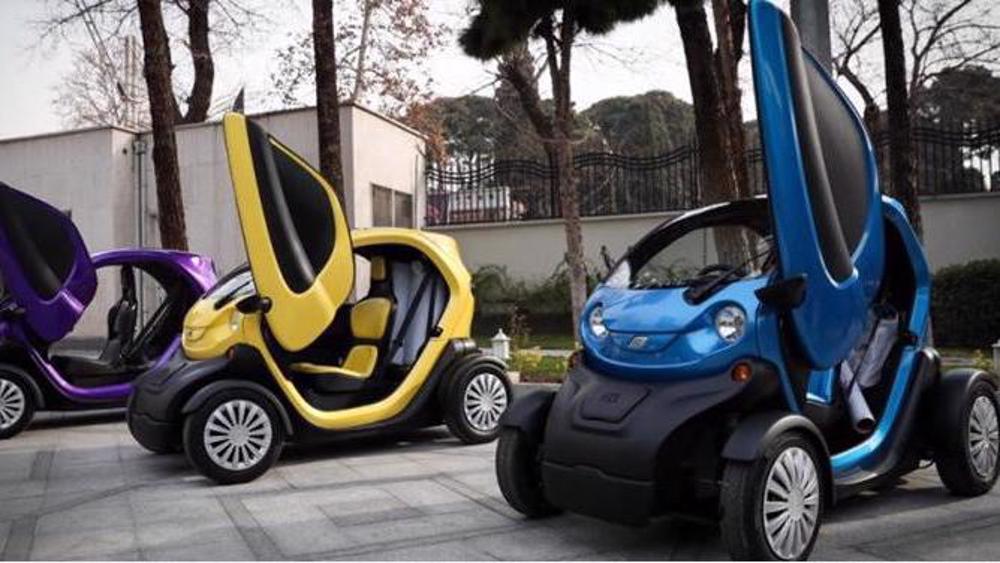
(368, 350)
(131, 346)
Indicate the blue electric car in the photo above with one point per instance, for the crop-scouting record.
(755, 361)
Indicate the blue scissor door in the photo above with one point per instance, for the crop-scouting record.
(822, 187)
(45, 265)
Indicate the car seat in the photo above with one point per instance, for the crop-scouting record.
(370, 319)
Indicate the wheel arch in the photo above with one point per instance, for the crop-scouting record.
(530, 413)
(201, 396)
(751, 435)
(949, 393)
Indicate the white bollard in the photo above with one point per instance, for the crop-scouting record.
(500, 345)
(996, 357)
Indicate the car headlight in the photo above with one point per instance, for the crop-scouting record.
(596, 321)
(730, 323)
(235, 320)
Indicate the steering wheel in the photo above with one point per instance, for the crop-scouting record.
(712, 269)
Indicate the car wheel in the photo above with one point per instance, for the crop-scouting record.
(967, 464)
(476, 401)
(771, 507)
(17, 405)
(235, 437)
(518, 471)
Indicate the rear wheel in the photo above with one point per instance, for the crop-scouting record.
(235, 437)
(475, 402)
(967, 464)
(771, 507)
(519, 475)
(17, 405)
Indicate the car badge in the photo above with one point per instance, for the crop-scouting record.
(637, 343)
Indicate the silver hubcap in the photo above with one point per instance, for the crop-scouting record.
(12, 404)
(238, 435)
(791, 503)
(984, 437)
(484, 402)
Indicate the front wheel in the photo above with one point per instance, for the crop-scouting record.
(771, 507)
(475, 402)
(17, 405)
(235, 437)
(967, 463)
(519, 475)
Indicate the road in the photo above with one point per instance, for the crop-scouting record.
(77, 487)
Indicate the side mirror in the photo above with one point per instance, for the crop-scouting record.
(784, 295)
(253, 304)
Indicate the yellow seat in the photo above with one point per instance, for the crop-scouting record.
(369, 322)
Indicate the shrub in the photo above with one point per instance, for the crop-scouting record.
(966, 304)
(536, 367)
(521, 307)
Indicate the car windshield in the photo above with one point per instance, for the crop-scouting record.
(237, 283)
(698, 256)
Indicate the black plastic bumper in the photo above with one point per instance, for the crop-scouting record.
(606, 439)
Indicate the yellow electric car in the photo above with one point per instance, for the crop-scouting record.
(288, 349)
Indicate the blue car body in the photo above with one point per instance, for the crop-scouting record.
(662, 398)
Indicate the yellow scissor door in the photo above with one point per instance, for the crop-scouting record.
(296, 235)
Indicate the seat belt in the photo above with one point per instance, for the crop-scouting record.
(410, 314)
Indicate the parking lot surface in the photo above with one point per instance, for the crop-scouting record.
(78, 487)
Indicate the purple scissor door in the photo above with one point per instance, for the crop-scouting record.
(45, 265)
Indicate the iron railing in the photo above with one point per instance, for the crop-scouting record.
(950, 161)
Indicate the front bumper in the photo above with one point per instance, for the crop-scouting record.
(606, 439)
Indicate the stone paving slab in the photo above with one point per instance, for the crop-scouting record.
(77, 487)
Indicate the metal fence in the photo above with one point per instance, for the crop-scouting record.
(949, 161)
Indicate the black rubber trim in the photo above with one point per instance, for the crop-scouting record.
(824, 209)
(205, 393)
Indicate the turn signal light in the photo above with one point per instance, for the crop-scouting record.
(741, 372)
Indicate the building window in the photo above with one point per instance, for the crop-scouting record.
(391, 208)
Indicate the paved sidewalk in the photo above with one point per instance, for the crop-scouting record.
(79, 488)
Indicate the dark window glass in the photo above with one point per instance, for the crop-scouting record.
(381, 207)
(403, 210)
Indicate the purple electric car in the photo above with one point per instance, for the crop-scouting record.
(48, 280)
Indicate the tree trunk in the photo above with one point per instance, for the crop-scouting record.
(569, 196)
(157, 70)
(901, 162)
(713, 123)
(327, 99)
(201, 59)
(730, 23)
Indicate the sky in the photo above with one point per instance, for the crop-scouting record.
(633, 59)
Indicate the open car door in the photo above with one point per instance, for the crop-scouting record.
(45, 265)
(296, 235)
(823, 189)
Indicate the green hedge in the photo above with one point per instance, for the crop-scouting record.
(966, 304)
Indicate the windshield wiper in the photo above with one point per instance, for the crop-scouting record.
(697, 294)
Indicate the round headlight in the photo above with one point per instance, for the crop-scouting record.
(730, 323)
(235, 320)
(596, 321)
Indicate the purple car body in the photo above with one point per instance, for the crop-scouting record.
(50, 279)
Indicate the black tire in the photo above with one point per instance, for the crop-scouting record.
(954, 458)
(484, 425)
(742, 502)
(518, 469)
(196, 448)
(17, 404)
